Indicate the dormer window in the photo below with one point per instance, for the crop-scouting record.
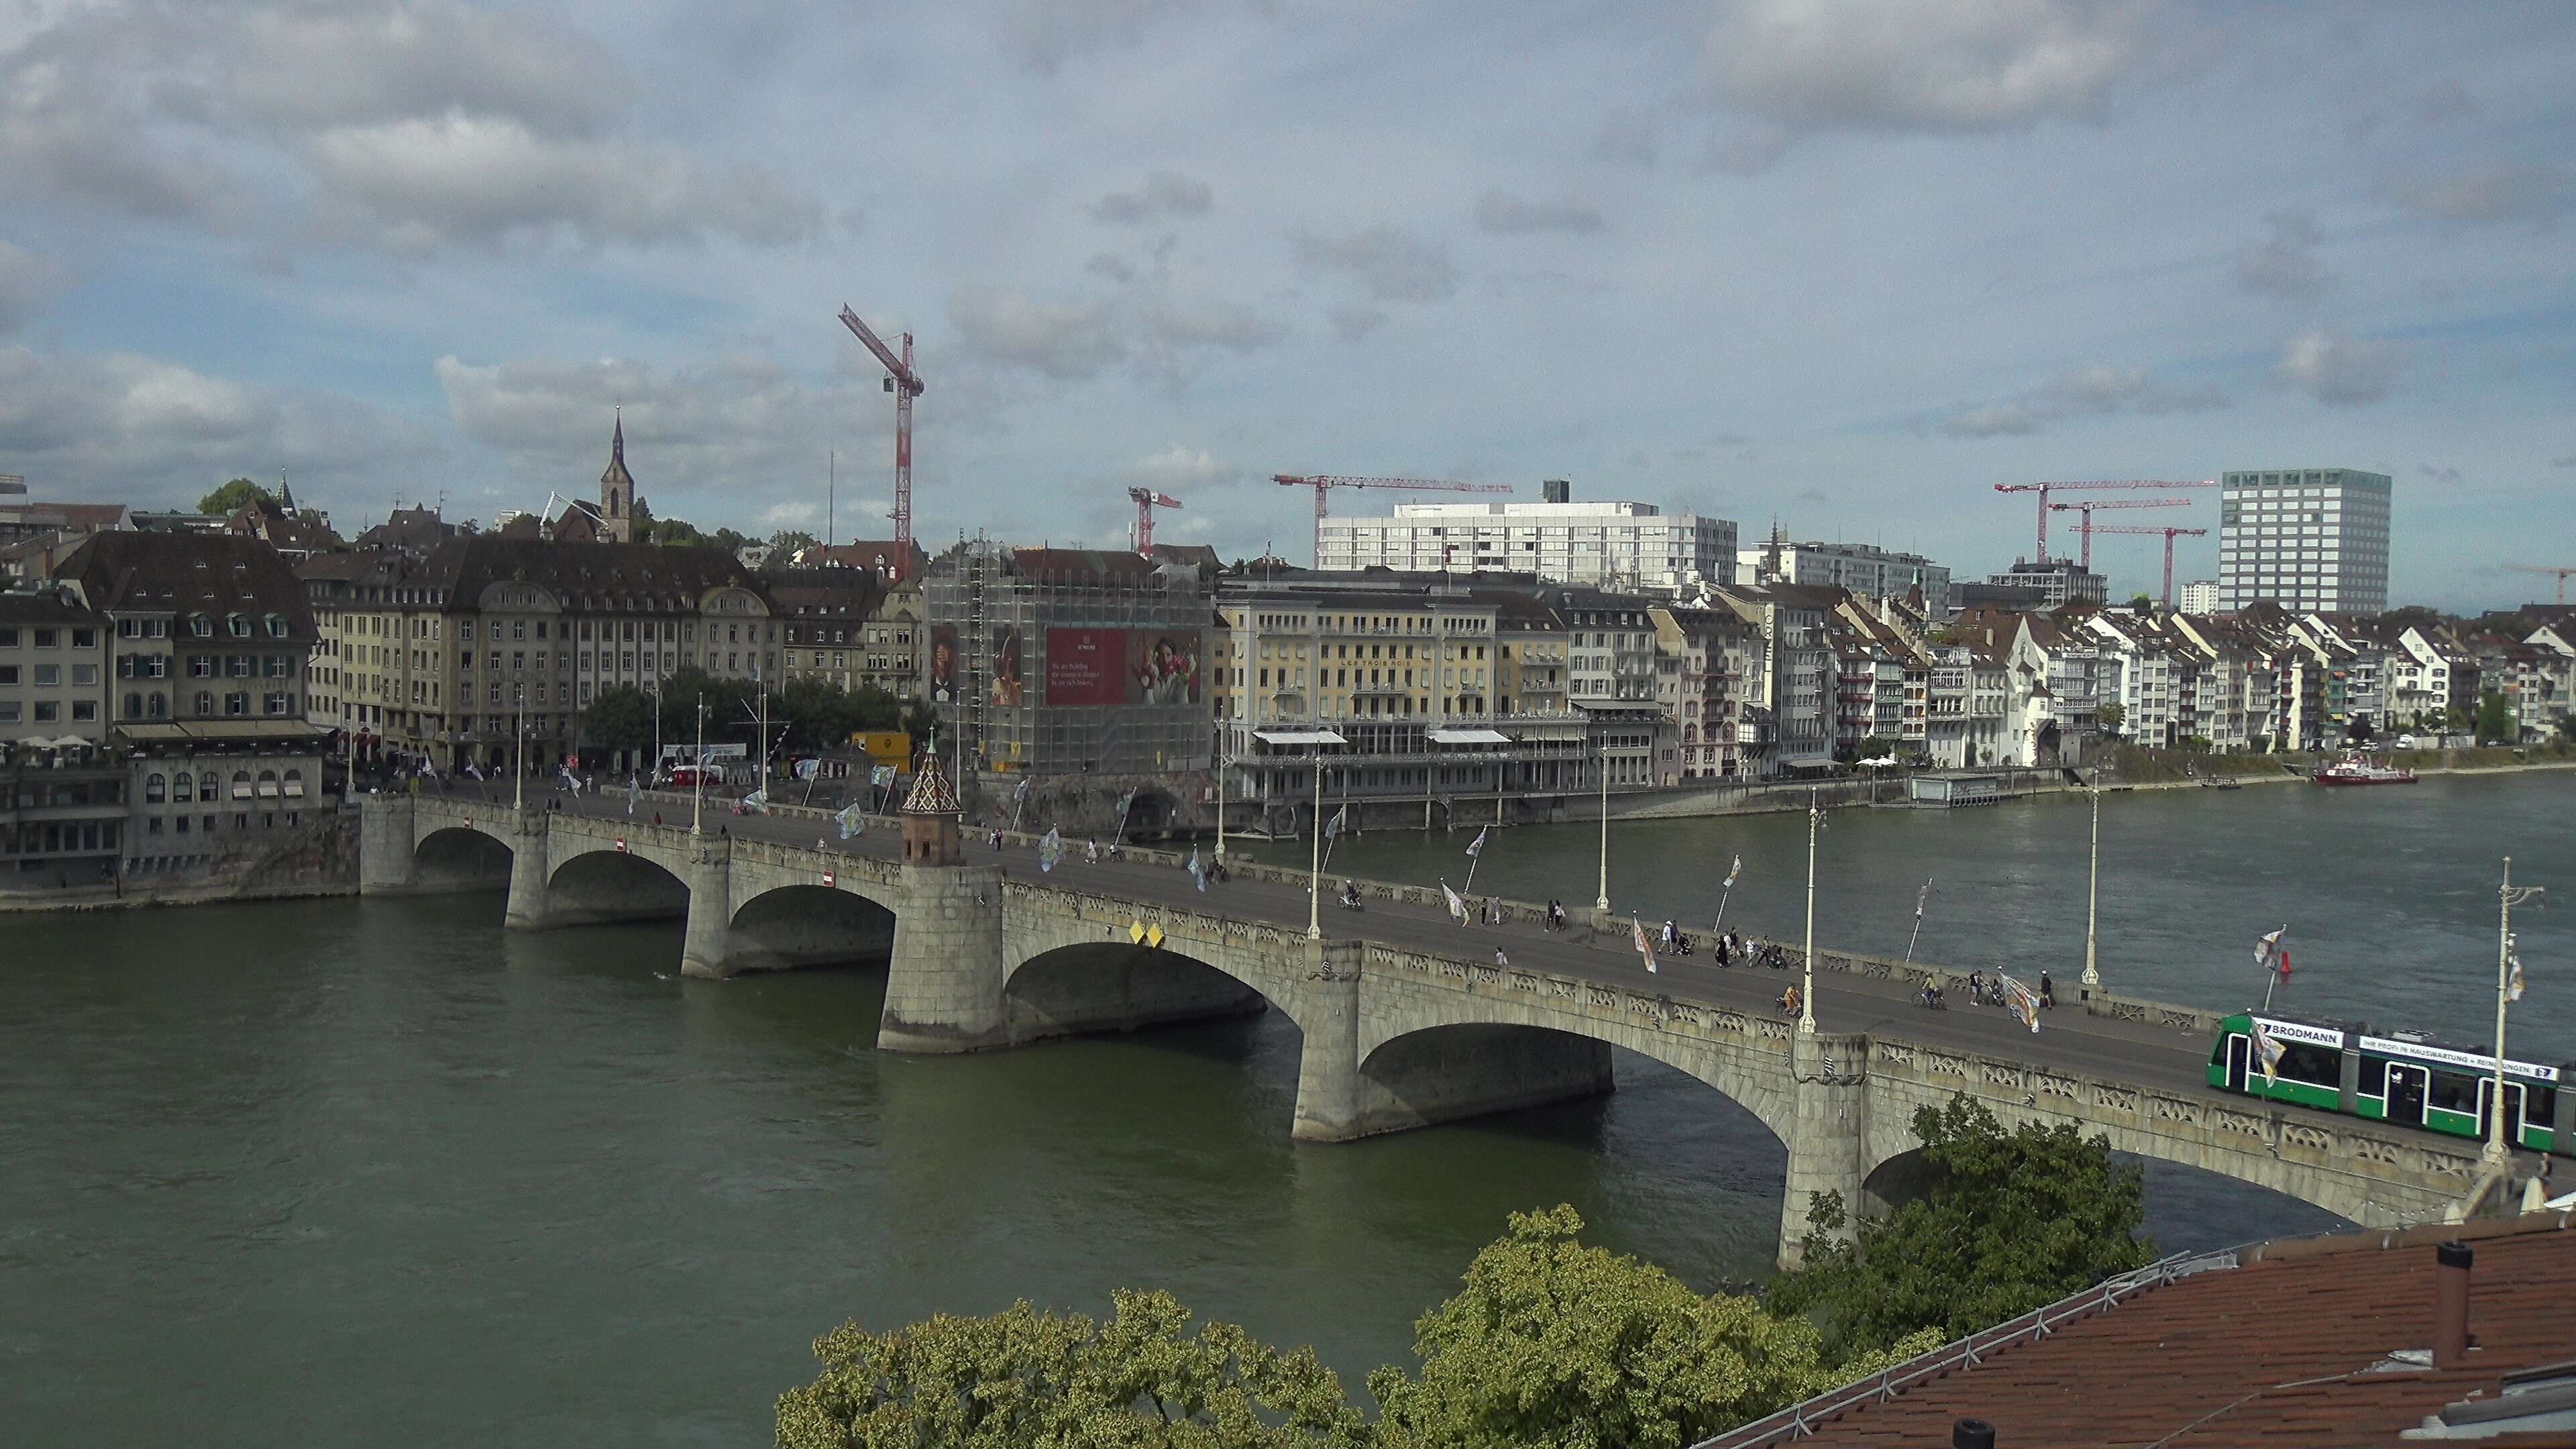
(200, 626)
(238, 625)
(277, 626)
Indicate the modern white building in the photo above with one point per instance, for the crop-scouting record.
(1859, 567)
(2200, 596)
(1606, 545)
(2312, 540)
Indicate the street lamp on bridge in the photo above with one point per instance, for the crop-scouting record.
(1807, 992)
(1601, 903)
(2093, 896)
(2508, 896)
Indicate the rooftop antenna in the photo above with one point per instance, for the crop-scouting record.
(831, 493)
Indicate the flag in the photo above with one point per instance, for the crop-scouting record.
(1333, 827)
(2265, 947)
(2268, 1051)
(1020, 791)
(1733, 871)
(1050, 849)
(1476, 847)
(756, 803)
(853, 821)
(634, 792)
(881, 776)
(1126, 802)
(1197, 871)
(2023, 1001)
(2513, 983)
(1457, 907)
(808, 769)
(473, 769)
(1645, 948)
(1920, 897)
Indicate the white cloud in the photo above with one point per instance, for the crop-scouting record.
(1067, 341)
(2535, 194)
(1042, 35)
(2285, 265)
(1214, 324)
(1504, 214)
(1967, 65)
(1627, 136)
(2086, 392)
(1353, 323)
(1394, 265)
(1177, 469)
(27, 283)
(310, 68)
(423, 183)
(1164, 194)
(2334, 368)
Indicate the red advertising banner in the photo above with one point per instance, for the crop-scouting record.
(1086, 666)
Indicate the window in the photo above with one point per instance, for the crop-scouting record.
(47, 711)
(49, 674)
(8, 711)
(206, 785)
(156, 788)
(84, 709)
(237, 704)
(182, 787)
(277, 626)
(204, 703)
(2454, 1091)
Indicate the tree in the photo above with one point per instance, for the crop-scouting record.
(2112, 715)
(1878, 747)
(1022, 1377)
(2496, 724)
(1555, 1345)
(230, 498)
(620, 718)
(2142, 603)
(2007, 1222)
(788, 540)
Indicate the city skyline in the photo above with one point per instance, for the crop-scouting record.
(1847, 270)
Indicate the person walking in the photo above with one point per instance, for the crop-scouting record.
(1500, 959)
(2047, 991)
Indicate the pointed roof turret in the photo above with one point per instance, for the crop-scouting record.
(285, 495)
(617, 474)
(931, 793)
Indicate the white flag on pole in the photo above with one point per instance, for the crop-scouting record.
(853, 820)
(1050, 849)
(1476, 847)
(1457, 906)
(2513, 983)
(2267, 947)
(1333, 827)
(1920, 897)
(2268, 1052)
(1733, 871)
(1645, 948)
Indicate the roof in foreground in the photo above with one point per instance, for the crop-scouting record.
(2284, 1345)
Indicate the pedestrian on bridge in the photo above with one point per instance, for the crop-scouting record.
(1500, 959)
(2047, 991)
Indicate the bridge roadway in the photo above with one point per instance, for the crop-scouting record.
(1407, 1018)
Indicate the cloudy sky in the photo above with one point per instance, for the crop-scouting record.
(1845, 265)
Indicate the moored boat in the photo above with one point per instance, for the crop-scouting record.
(2355, 770)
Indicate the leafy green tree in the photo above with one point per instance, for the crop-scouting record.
(2496, 724)
(232, 496)
(1021, 1377)
(2142, 603)
(2112, 714)
(2007, 1222)
(1555, 1345)
(619, 718)
(788, 540)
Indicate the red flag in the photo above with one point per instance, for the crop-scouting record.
(2285, 961)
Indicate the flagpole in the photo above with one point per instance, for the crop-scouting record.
(1918, 921)
(2506, 897)
(1220, 807)
(1807, 996)
(1602, 903)
(1315, 858)
(2092, 897)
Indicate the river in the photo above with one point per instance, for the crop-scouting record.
(344, 1171)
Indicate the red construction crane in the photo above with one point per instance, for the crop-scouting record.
(2170, 535)
(2085, 526)
(1323, 483)
(2044, 489)
(1147, 500)
(905, 384)
(2563, 575)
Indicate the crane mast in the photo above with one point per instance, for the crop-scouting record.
(2170, 535)
(1324, 483)
(2085, 527)
(2054, 486)
(1147, 500)
(905, 384)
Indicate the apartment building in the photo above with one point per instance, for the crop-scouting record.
(1602, 545)
(2312, 539)
(849, 627)
(1859, 567)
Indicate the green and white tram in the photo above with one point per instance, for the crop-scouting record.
(2404, 1078)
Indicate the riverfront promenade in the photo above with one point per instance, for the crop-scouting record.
(1407, 1018)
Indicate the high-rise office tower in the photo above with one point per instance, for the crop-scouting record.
(2306, 539)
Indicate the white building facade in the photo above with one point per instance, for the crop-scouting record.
(1859, 567)
(1597, 545)
(2307, 539)
(2200, 596)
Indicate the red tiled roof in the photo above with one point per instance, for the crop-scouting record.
(2289, 1350)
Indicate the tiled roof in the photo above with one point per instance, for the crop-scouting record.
(2292, 1349)
(930, 794)
(186, 573)
(44, 606)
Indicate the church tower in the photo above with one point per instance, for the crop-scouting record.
(617, 490)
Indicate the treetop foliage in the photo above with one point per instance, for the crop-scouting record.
(229, 498)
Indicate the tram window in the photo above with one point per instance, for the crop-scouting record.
(2540, 1104)
(2453, 1092)
(2374, 1078)
(2218, 1053)
(2315, 1065)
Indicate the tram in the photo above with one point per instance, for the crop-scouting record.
(2404, 1077)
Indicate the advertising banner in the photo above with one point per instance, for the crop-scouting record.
(1086, 666)
(1009, 687)
(945, 667)
(1163, 668)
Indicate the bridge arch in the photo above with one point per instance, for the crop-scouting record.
(1089, 987)
(808, 924)
(613, 885)
(1486, 1062)
(456, 857)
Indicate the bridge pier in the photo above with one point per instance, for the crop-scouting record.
(1828, 1133)
(707, 950)
(944, 983)
(1328, 1061)
(385, 846)
(528, 873)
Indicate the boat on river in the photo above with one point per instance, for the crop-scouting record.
(2355, 770)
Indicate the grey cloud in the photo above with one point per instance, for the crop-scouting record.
(1069, 342)
(27, 283)
(2437, 475)
(2497, 193)
(1628, 136)
(1115, 268)
(1042, 35)
(2285, 265)
(1353, 323)
(307, 67)
(1164, 194)
(419, 184)
(2567, 462)
(2340, 370)
(2087, 392)
(1504, 214)
(1237, 329)
(1394, 265)
(1965, 65)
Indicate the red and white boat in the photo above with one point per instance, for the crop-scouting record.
(2355, 770)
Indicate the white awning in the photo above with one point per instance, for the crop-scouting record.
(1469, 737)
(1298, 737)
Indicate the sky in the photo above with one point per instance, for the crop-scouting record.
(1842, 266)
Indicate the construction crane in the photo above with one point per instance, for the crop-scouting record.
(2546, 569)
(1147, 500)
(2170, 535)
(2084, 528)
(1325, 483)
(905, 384)
(2044, 489)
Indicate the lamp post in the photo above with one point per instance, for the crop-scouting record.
(2093, 897)
(519, 764)
(698, 775)
(1601, 903)
(1221, 763)
(1315, 864)
(1807, 992)
(2508, 896)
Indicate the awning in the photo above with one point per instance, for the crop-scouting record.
(1469, 737)
(219, 731)
(1298, 737)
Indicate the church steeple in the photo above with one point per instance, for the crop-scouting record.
(285, 495)
(617, 489)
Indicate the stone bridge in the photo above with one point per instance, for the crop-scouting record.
(1394, 1035)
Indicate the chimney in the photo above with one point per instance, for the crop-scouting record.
(1972, 1434)
(2451, 1304)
